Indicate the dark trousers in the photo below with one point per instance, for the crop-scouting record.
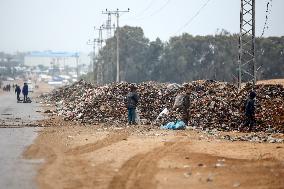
(250, 121)
(25, 97)
(131, 115)
(185, 115)
(18, 96)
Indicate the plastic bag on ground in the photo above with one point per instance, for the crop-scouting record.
(165, 112)
(178, 125)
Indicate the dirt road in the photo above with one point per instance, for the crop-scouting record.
(16, 134)
(107, 157)
(139, 157)
(13, 114)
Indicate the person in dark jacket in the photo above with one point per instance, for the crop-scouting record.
(25, 91)
(131, 103)
(250, 110)
(18, 92)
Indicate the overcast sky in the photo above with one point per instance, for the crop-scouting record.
(66, 25)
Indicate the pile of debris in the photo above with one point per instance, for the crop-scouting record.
(214, 104)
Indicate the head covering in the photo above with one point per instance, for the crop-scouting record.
(132, 87)
(252, 94)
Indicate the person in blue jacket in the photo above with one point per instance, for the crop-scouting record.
(131, 103)
(25, 91)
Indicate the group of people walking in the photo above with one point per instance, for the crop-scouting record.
(7, 88)
(182, 105)
(25, 92)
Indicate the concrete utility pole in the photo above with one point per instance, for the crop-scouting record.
(94, 55)
(116, 13)
(77, 64)
(246, 59)
(94, 58)
(100, 66)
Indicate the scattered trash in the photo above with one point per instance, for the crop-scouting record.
(188, 174)
(209, 178)
(219, 165)
(47, 111)
(236, 184)
(254, 137)
(213, 105)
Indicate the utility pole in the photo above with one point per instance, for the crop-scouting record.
(99, 42)
(246, 58)
(116, 13)
(108, 25)
(77, 64)
(94, 58)
(93, 55)
(100, 66)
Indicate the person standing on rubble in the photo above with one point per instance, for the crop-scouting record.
(250, 110)
(181, 105)
(25, 91)
(18, 92)
(131, 102)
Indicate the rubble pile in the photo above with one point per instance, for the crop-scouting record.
(213, 104)
(94, 104)
(269, 106)
(220, 105)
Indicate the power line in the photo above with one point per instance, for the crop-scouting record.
(154, 13)
(161, 8)
(148, 7)
(268, 11)
(193, 17)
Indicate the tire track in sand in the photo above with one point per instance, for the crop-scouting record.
(107, 141)
(139, 171)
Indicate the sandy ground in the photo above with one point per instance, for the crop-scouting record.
(98, 156)
(136, 157)
(272, 81)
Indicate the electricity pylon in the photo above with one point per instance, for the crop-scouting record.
(246, 59)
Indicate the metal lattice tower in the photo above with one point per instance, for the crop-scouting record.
(246, 59)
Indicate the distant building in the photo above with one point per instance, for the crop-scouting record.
(58, 59)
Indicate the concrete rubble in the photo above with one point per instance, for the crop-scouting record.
(214, 105)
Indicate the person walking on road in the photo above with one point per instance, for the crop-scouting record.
(131, 102)
(250, 111)
(18, 92)
(25, 91)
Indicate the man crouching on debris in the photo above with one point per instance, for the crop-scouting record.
(181, 105)
(131, 102)
(250, 110)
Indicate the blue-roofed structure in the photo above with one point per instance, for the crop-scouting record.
(58, 54)
(52, 58)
